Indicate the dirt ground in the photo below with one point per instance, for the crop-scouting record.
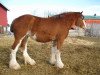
(80, 55)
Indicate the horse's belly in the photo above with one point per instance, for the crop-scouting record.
(43, 37)
(39, 39)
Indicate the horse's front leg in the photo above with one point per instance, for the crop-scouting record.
(52, 56)
(56, 54)
(59, 62)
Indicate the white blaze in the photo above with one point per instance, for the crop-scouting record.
(84, 24)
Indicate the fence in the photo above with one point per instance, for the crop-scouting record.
(93, 30)
(77, 32)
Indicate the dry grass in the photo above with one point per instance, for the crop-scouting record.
(80, 55)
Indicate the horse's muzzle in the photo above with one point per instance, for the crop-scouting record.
(84, 27)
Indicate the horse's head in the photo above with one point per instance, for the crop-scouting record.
(79, 22)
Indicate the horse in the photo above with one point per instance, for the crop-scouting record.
(54, 28)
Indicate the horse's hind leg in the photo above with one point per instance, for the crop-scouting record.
(26, 56)
(13, 64)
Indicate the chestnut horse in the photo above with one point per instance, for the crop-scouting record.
(54, 28)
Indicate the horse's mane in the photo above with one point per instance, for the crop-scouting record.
(58, 16)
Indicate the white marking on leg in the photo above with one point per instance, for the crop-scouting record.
(27, 57)
(59, 62)
(52, 58)
(56, 57)
(13, 64)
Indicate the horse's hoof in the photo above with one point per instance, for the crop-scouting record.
(59, 65)
(31, 62)
(52, 62)
(14, 66)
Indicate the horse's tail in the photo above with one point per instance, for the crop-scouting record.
(11, 27)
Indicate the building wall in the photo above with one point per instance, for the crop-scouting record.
(3, 17)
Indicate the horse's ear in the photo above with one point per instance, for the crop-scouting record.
(81, 12)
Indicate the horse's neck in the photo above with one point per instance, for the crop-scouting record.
(70, 22)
